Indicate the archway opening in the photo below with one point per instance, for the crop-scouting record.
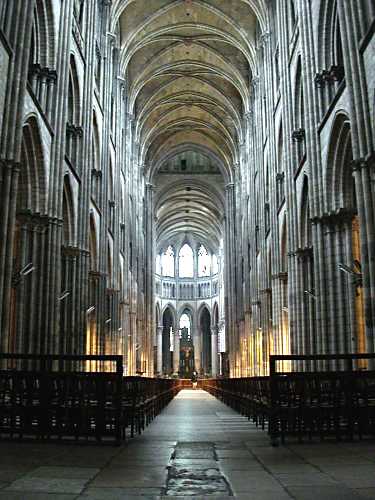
(205, 327)
(186, 345)
(167, 342)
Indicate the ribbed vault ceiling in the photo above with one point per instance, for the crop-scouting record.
(188, 65)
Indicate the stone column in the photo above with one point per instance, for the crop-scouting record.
(149, 277)
(176, 351)
(230, 272)
(159, 344)
(214, 350)
(363, 153)
(10, 149)
(197, 350)
(132, 344)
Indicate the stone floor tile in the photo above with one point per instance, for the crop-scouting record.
(64, 472)
(120, 493)
(264, 495)
(360, 481)
(196, 463)
(233, 453)
(345, 470)
(228, 464)
(9, 473)
(288, 468)
(126, 463)
(347, 459)
(72, 461)
(150, 453)
(47, 485)
(20, 495)
(241, 482)
(131, 477)
(230, 445)
(210, 497)
(366, 493)
(323, 493)
(305, 479)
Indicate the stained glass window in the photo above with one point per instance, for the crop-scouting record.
(167, 262)
(186, 262)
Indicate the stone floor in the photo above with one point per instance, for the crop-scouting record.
(196, 447)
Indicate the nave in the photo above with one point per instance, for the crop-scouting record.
(197, 447)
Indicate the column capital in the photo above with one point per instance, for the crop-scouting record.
(229, 186)
(255, 82)
(10, 165)
(338, 217)
(248, 115)
(111, 37)
(298, 135)
(363, 163)
(264, 38)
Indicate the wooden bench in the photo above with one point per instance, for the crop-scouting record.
(52, 397)
(76, 398)
(306, 403)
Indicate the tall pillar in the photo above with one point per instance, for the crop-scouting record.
(132, 344)
(362, 141)
(159, 352)
(197, 351)
(214, 360)
(176, 351)
(230, 272)
(149, 277)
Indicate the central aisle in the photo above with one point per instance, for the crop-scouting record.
(195, 415)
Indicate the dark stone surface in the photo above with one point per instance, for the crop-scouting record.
(195, 477)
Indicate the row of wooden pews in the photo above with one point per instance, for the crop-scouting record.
(325, 396)
(76, 398)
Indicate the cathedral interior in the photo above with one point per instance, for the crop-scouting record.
(213, 159)
(188, 185)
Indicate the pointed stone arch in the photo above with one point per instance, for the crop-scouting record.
(338, 165)
(32, 188)
(204, 325)
(68, 213)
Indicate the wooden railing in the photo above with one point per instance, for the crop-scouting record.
(337, 401)
(55, 397)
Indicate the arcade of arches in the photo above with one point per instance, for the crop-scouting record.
(187, 183)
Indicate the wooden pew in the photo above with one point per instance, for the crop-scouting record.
(336, 401)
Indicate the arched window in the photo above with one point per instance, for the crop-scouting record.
(338, 57)
(293, 16)
(280, 167)
(186, 262)
(93, 246)
(68, 213)
(95, 171)
(306, 236)
(73, 94)
(215, 264)
(167, 262)
(109, 266)
(158, 264)
(185, 323)
(203, 262)
(78, 11)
